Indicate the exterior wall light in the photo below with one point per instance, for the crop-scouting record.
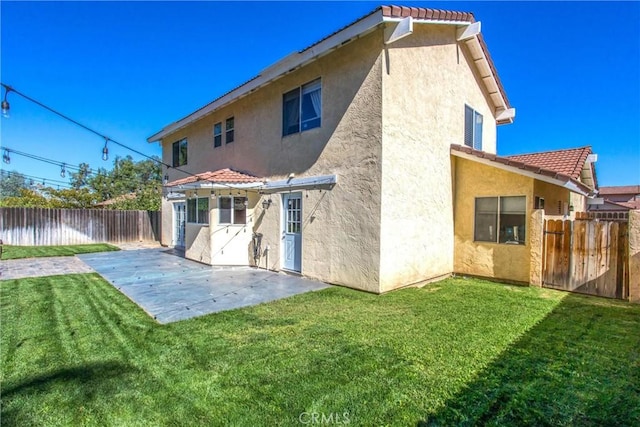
(266, 203)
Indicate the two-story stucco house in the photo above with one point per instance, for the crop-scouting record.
(364, 160)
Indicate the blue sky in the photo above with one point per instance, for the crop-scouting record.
(126, 69)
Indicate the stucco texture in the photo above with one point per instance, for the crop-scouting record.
(427, 81)
(341, 237)
(494, 260)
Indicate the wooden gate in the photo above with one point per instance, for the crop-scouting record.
(587, 256)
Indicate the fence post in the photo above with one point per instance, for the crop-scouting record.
(536, 241)
(634, 256)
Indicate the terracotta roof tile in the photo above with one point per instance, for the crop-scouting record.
(221, 176)
(516, 163)
(568, 162)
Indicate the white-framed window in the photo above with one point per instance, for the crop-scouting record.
(217, 134)
(229, 128)
(472, 128)
(232, 210)
(179, 149)
(198, 210)
(302, 108)
(501, 219)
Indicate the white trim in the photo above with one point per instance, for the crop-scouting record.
(308, 183)
(485, 62)
(469, 31)
(398, 30)
(559, 182)
(508, 114)
(296, 60)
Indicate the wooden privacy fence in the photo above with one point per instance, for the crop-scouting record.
(36, 226)
(587, 256)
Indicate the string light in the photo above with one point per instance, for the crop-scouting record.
(33, 178)
(105, 150)
(5, 103)
(63, 171)
(5, 156)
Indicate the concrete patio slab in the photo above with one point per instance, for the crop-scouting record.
(36, 267)
(171, 288)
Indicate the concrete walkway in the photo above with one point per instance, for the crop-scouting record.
(36, 267)
(172, 288)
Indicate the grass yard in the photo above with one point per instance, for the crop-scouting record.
(16, 252)
(75, 351)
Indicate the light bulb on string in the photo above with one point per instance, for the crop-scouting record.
(5, 103)
(63, 171)
(105, 150)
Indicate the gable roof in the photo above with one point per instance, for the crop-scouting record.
(382, 15)
(522, 168)
(568, 162)
(221, 176)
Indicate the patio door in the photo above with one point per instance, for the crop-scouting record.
(179, 220)
(292, 231)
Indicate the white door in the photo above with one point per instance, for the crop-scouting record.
(292, 231)
(179, 220)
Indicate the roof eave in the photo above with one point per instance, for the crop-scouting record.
(503, 163)
(279, 69)
(504, 112)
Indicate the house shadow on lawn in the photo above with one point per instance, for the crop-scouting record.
(77, 386)
(580, 365)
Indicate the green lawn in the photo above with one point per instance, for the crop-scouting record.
(15, 252)
(74, 351)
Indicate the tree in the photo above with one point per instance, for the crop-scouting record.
(141, 178)
(133, 185)
(11, 183)
(80, 179)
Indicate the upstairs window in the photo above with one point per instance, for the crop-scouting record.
(472, 128)
(198, 210)
(180, 153)
(232, 210)
(302, 108)
(217, 135)
(500, 220)
(229, 129)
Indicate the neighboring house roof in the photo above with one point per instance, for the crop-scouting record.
(608, 205)
(120, 198)
(221, 176)
(631, 204)
(620, 189)
(383, 14)
(522, 168)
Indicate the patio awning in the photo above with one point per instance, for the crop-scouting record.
(228, 178)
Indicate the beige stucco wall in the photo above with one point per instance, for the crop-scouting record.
(536, 246)
(427, 80)
(555, 198)
(166, 233)
(340, 242)
(495, 260)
